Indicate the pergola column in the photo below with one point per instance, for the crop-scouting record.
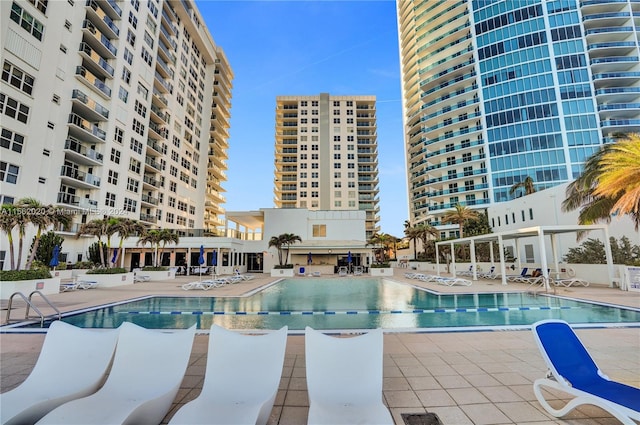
(543, 259)
(474, 268)
(503, 268)
(453, 259)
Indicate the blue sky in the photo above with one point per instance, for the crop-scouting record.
(280, 48)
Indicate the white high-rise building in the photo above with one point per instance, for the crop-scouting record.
(114, 107)
(326, 154)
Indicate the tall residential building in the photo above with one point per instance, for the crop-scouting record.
(113, 107)
(496, 91)
(326, 154)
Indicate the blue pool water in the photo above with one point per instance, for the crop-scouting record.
(350, 304)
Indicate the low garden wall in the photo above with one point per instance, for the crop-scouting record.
(108, 280)
(46, 286)
(158, 275)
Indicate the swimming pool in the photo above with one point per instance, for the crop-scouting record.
(346, 304)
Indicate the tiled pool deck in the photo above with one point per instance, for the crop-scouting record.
(464, 377)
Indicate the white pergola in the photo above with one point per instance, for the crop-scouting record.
(539, 232)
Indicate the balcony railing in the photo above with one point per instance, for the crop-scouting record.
(74, 173)
(92, 104)
(75, 146)
(78, 121)
(76, 201)
(92, 79)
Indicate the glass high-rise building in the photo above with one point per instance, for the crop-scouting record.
(498, 91)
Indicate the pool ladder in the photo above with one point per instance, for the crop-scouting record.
(30, 305)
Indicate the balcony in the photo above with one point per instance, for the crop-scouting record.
(159, 148)
(163, 68)
(162, 85)
(161, 99)
(75, 177)
(93, 82)
(161, 132)
(168, 37)
(146, 199)
(85, 129)
(114, 6)
(153, 163)
(102, 19)
(99, 41)
(76, 201)
(166, 53)
(95, 61)
(89, 107)
(157, 113)
(80, 154)
(150, 181)
(149, 218)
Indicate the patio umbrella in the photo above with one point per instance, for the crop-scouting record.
(115, 254)
(201, 260)
(214, 261)
(309, 260)
(54, 257)
(349, 259)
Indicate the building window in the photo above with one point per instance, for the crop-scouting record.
(128, 56)
(17, 77)
(126, 75)
(12, 141)
(138, 127)
(110, 200)
(319, 230)
(140, 109)
(41, 5)
(14, 109)
(123, 94)
(112, 177)
(118, 136)
(146, 56)
(131, 38)
(9, 172)
(130, 205)
(26, 21)
(132, 185)
(133, 20)
(115, 155)
(134, 165)
(530, 213)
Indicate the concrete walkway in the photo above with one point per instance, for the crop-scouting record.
(464, 377)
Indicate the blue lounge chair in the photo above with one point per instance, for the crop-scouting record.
(573, 371)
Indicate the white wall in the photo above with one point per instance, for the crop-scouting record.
(544, 209)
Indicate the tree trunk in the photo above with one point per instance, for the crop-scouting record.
(32, 255)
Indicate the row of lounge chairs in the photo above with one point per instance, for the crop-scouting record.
(525, 277)
(441, 280)
(344, 378)
(216, 282)
(80, 284)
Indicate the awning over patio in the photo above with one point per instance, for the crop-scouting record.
(539, 232)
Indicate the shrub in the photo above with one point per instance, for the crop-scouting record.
(83, 265)
(115, 270)
(380, 266)
(12, 275)
(155, 269)
(283, 266)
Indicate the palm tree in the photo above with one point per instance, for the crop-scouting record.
(166, 236)
(381, 243)
(152, 237)
(43, 217)
(22, 219)
(620, 176)
(608, 184)
(287, 240)
(425, 232)
(277, 243)
(7, 223)
(527, 184)
(460, 215)
(412, 233)
(97, 228)
(126, 227)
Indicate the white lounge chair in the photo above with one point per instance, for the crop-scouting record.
(199, 284)
(241, 381)
(342, 271)
(72, 364)
(344, 379)
(573, 371)
(357, 271)
(451, 281)
(147, 370)
(570, 282)
(68, 286)
(87, 284)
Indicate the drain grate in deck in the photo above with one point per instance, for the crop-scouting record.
(421, 419)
